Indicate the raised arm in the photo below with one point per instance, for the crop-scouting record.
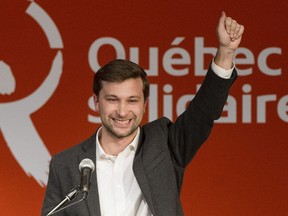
(192, 128)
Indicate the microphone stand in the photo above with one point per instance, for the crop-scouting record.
(71, 195)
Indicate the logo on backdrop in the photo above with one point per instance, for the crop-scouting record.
(16, 124)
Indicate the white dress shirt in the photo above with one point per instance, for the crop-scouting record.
(119, 192)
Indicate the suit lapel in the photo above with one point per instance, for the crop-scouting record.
(92, 201)
(139, 173)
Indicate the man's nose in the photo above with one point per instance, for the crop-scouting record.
(122, 109)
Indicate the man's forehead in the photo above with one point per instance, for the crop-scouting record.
(132, 87)
(131, 82)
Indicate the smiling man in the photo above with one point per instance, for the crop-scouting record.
(140, 169)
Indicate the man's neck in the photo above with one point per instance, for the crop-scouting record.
(114, 145)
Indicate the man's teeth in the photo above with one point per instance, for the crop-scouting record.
(122, 121)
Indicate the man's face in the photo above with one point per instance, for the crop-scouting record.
(121, 107)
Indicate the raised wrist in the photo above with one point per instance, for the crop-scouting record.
(224, 57)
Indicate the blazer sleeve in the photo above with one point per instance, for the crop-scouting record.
(193, 127)
(53, 191)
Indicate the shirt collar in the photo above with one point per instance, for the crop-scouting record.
(100, 152)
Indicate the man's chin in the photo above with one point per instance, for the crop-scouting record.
(122, 133)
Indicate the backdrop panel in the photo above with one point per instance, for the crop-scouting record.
(50, 50)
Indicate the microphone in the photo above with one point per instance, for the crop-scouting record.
(86, 168)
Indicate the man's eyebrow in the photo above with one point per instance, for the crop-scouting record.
(113, 95)
(110, 95)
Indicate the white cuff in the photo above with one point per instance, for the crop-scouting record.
(221, 72)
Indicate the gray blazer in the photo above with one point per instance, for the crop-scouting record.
(164, 151)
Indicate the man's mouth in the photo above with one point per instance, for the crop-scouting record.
(122, 121)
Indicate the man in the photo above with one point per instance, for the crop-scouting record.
(139, 170)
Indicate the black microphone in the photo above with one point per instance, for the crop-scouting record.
(86, 168)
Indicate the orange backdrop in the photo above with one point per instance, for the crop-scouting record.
(50, 50)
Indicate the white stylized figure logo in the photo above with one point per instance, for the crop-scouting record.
(15, 122)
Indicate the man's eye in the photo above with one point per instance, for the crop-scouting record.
(133, 101)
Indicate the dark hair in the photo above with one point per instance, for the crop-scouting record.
(120, 70)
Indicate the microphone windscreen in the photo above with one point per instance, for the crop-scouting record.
(86, 163)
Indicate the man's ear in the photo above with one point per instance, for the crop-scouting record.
(96, 102)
